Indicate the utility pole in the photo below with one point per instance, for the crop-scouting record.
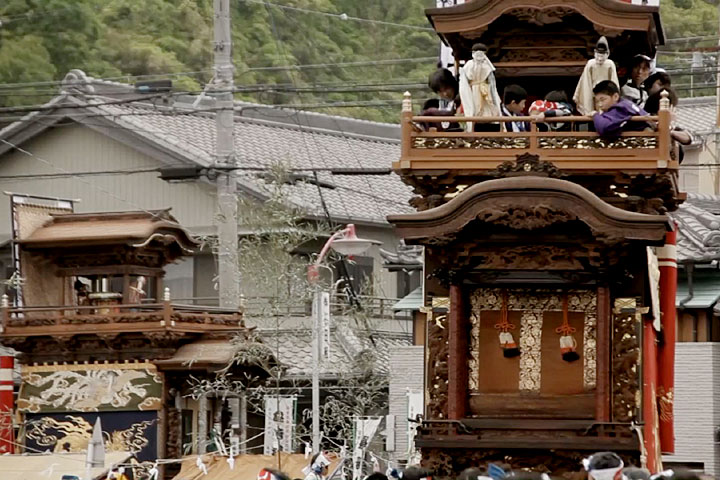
(227, 228)
(717, 74)
(227, 210)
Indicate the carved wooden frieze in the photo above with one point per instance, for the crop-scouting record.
(625, 365)
(526, 164)
(436, 392)
(541, 17)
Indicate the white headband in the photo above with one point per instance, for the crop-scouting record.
(602, 473)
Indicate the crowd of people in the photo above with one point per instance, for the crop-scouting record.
(599, 466)
(598, 94)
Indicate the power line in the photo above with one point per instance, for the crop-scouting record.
(355, 64)
(340, 16)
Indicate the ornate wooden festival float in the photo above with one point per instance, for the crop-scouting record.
(549, 255)
(100, 337)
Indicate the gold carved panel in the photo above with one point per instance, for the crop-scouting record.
(530, 356)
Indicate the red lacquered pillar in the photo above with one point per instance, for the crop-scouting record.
(667, 261)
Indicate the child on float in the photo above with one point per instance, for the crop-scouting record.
(677, 133)
(615, 113)
(513, 105)
(556, 104)
(659, 80)
(445, 85)
(634, 90)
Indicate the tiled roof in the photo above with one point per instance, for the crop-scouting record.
(111, 227)
(349, 348)
(698, 229)
(706, 290)
(699, 114)
(261, 143)
(412, 301)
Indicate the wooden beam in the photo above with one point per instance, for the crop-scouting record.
(592, 444)
(457, 355)
(604, 324)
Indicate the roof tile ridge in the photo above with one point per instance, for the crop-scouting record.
(317, 114)
(320, 130)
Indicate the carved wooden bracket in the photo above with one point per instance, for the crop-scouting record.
(526, 165)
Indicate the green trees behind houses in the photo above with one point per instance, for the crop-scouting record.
(42, 40)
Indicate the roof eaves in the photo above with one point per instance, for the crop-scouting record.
(28, 126)
(310, 129)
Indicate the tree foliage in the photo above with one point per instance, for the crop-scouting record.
(42, 40)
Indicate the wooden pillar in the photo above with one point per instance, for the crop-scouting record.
(457, 355)
(126, 288)
(667, 262)
(419, 321)
(603, 375)
(159, 287)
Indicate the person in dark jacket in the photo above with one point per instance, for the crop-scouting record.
(615, 112)
(445, 85)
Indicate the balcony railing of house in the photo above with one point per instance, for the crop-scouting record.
(425, 148)
(92, 319)
(373, 307)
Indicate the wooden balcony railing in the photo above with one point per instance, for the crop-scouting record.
(121, 318)
(573, 150)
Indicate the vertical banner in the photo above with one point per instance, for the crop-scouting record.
(447, 60)
(279, 423)
(321, 311)
(415, 407)
(365, 429)
(667, 261)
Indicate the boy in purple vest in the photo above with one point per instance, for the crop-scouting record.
(615, 113)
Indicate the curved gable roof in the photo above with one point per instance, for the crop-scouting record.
(527, 203)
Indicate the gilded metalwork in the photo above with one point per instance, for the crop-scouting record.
(474, 359)
(441, 302)
(474, 143)
(590, 143)
(90, 388)
(569, 142)
(486, 299)
(625, 364)
(74, 434)
(530, 356)
(666, 402)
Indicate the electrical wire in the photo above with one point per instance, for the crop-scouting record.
(340, 16)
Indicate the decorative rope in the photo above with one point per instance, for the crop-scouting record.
(565, 328)
(504, 325)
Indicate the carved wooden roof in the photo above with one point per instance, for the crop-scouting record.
(574, 26)
(529, 203)
(135, 229)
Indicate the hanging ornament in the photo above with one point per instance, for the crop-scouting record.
(507, 341)
(568, 344)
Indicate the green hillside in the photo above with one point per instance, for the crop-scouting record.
(42, 40)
